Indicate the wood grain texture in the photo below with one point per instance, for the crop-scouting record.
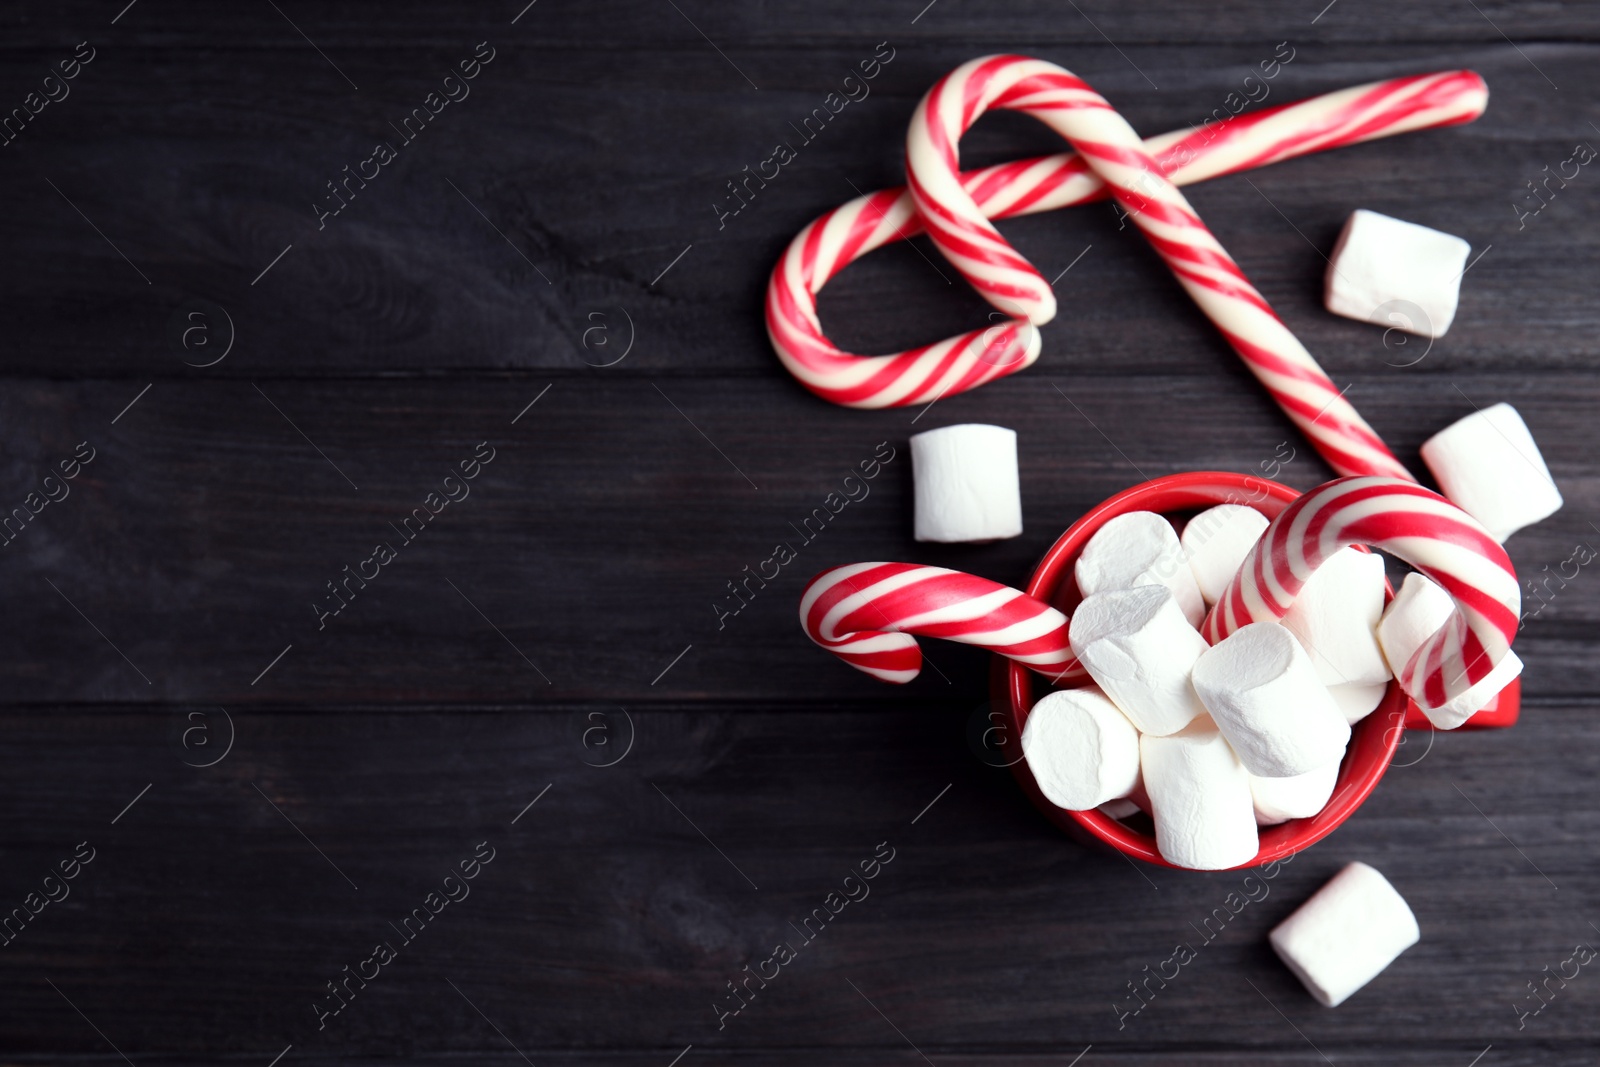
(604, 533)
(606, 919)
(201, 180)
(562, 616)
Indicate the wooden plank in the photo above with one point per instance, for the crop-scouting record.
(373, 27)
(594, 547)
(616, 908)
(534, 226)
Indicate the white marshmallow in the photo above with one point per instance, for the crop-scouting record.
(1336, 618)
(1455, 712)
(1356, 702)
(1120, 809)
(1217, 541)
(1396, 274)
(1199, 798)
(966, 483)
(1260, 687)
(1139, 648)
(1489, 467)
(1081, 749)
(1281, 799)
(1139, 548)
(1414, 615)
(1346, 934)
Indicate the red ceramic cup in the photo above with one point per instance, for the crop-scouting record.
(1373, 740)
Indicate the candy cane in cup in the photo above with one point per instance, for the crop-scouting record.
(1418, 526)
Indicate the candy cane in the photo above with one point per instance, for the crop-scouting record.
(1418, 526)
(1028, 186)
(1136, 181)
(865, 614)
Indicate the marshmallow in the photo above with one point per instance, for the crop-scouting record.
(1396, 274)
(1346, 934)
(1336, 618)
(1413, 616)
(1138, 647)
(1281, 799)
(1260, 687)
(1139, 548)
(1081, 749)
(1452, 714)
(1120, 809)
(966, 484)
(1356, 702)
(1217, 541)
(1199, 798)
(1489, 467)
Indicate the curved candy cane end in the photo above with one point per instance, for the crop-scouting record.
(1474, 698)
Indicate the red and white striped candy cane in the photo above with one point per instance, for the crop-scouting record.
(1405, 520)
(1028, 186)
(1137, 182)
(865, 613)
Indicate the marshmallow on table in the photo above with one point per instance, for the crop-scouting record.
(1139, 548)
(1489, 467)
(1138, 647)
(1217, 541)
(1260, 687)
(1081, 749)
(966, 483)
(1415, 614)
(1199, 798)
(1356, 702)
(1281, 799)
(1336, 618)
(1346, 934)
(1396, 274)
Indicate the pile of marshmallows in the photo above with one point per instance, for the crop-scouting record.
(1214, 740)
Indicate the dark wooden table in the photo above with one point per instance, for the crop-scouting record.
(538, 677)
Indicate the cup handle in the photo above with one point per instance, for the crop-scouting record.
(1499, 713)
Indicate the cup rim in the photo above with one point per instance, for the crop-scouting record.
(1373, 739)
